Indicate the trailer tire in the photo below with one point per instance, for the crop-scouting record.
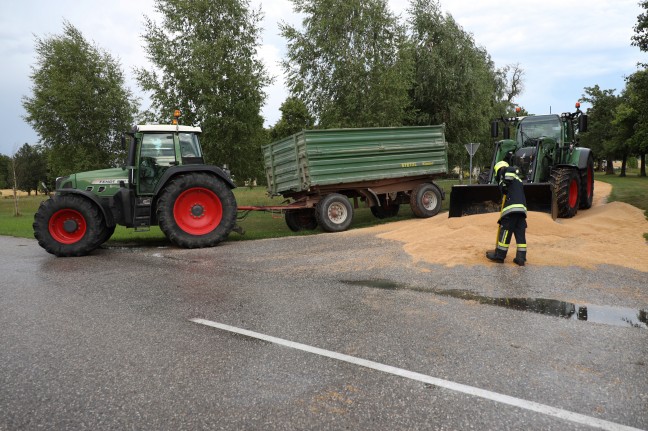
(425, 200)
(68, 225)
(334, 213)
(303, 219)
(196, 210)
(587, 185)
(566, 183)
(385, 211)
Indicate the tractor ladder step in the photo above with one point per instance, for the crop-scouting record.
(142, 221)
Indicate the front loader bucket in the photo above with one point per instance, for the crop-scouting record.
(486, 198)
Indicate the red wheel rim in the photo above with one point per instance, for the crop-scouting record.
(198, 211)
(67, 226)
(573, 193)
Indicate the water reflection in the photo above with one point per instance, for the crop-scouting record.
(616, 316)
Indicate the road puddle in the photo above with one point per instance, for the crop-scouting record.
(615, 316)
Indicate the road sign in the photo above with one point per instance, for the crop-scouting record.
(472, 149)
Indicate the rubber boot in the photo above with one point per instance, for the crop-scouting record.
(520, 257)
(496, 255)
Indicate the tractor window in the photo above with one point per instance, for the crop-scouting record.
(544, 126)
(189, 147)
(156, 155)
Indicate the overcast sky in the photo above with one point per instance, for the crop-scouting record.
(563, 46)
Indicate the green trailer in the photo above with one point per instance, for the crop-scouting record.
(325, 174)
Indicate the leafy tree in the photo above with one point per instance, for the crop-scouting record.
(205, 64)
(5, 164)
(600, 137)
(31, 168)
(294, 118)
(640, 38)
(637, 91)
(350, 64)
(455, 81)
(79, 105)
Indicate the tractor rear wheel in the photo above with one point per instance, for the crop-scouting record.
(566, 184)
(303, 219)
(196, 210)
(587, 185)
(68, 225)
(425, 200)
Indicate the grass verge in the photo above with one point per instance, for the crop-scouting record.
(631, 189)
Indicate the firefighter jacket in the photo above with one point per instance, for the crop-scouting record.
(511, 186)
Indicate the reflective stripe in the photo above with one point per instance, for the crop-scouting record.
(512, 176)
(522, 246)
(502, 245)
(515, 208)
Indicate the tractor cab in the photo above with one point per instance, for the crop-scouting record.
(155, 148)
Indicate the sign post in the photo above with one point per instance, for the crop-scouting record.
(472, 149)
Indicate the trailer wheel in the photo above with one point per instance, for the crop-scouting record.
(385, 211)
(425, 200)
(587, 185)
(68, 225)
(298, 220)
(196, 210)
(334, 213)
(566, 183)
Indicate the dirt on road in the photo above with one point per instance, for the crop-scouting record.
(608, 233)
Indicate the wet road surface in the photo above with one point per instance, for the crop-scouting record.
(108, 341)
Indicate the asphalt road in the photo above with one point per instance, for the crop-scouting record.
(107, 341)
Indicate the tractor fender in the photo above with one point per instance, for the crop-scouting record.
(583, 156)
(177, 170)
(107, 214)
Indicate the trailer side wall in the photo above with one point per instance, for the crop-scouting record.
(329, 157)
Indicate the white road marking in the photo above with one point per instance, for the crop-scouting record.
(458, 387)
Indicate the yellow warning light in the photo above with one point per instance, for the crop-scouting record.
(577, 105)
(176, 115)
(518, 109)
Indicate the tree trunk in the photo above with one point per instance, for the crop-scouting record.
(15, 186)
(624, 161)
(609, 166)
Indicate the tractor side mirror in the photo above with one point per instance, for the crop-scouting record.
(582, 123)
(494, 129)
(507, 133)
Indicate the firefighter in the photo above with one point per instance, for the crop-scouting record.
(513, 216)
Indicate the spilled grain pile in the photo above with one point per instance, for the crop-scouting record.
(608, 233)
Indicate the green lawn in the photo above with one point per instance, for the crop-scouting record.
(258, 225)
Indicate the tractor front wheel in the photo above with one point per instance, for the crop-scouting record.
(68, 225)
(196, 210)
(566, 184)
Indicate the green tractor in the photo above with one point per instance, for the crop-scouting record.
(558, 175)
(165, 182)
